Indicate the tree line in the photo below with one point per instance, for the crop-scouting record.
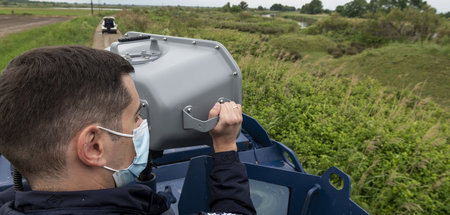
(358, 8)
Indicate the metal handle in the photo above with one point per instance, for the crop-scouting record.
(295, 162)
(190, 122)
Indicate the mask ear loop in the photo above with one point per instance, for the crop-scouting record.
(146, 176)
(118, 134)
(115, 132)
(111, 169)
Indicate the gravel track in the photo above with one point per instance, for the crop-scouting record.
(101, 41)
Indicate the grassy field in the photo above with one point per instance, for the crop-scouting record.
(78, 31)
(367, 112)
(422, 68)
(46, 11)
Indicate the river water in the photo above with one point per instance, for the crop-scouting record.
(301, 24)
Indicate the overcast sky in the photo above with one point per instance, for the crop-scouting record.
(440, 5)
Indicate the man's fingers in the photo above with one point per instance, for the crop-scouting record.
(231, 113)
(215, 110)
(225, 133)
(239, 112)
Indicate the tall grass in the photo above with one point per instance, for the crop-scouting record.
(393, 144)
(405, 66)
(78, 31)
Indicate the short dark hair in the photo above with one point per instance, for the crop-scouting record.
(49, 94)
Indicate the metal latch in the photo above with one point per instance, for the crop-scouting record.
(152, 54)
(190, 122)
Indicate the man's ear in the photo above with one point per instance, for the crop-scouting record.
(90, 146)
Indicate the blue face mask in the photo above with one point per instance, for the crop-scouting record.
(141, 141)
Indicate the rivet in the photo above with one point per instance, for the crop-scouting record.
(126, 35)
(221, 101)
(194, 42)
(235, 73)
(189, 110)
(217, 47)
(165, 38)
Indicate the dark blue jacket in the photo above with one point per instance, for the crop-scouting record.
(229, 190)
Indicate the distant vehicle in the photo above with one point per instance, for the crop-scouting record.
(108, 25)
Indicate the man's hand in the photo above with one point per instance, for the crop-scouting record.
(227, 129)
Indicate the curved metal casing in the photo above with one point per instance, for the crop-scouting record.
(172, 73)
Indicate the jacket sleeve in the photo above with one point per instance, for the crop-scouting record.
(7, 195)
(228, 185)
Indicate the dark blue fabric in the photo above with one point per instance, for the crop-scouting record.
(7, 195)
(133, 199)
(228, 186)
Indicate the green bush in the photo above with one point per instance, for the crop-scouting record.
(136, 20)
(393, 144)
(235, 9)
(410, 24)
(405, 66)
(263, 27)
(443, 34)
(296, 44)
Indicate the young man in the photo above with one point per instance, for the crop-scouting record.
(69, 121)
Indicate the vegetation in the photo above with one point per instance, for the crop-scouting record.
(77, 31)
(46, 4)
(424, 67)
(355, 8)
(367, 112)
(280, 7)
(408, 25)
(359, 8)
(314, 7)
(43, 11)
(387, 5)
(235, 8)
(243, 5)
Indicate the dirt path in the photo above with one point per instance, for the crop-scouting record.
(11, 24)
(101, 41)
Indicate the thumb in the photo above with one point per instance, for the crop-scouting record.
(214, 111)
